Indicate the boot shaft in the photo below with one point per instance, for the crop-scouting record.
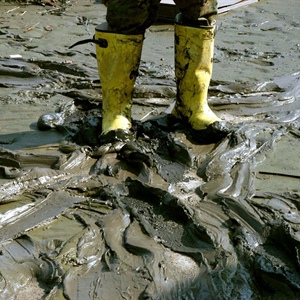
(118, 58)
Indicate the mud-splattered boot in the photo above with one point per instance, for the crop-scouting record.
(193, 70)
(118, 57)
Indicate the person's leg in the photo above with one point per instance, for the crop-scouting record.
(193, 10)
(194, 43)
(131, 16)
(118, 48)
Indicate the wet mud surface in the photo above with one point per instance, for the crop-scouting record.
(167, 214)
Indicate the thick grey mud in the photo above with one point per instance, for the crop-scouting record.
(163, 215)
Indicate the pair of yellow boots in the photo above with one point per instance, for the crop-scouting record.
(118, 57)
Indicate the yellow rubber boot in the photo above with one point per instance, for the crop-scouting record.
(118, 57)
(193, 69)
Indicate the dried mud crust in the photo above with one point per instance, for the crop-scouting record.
(163, 217)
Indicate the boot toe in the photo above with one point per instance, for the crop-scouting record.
(213, 133)
(115, 136)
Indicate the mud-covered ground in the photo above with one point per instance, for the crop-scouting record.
(166, 216)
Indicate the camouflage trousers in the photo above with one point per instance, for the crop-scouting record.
(134, 16)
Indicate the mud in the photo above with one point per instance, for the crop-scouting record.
(167, 214)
